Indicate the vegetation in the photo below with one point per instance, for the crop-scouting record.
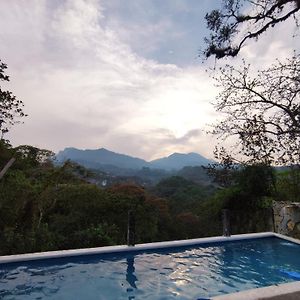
(288, 184)
(261, 113)
(44, 206)
(261, 110)
(47, 207)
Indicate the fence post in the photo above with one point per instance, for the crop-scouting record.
(131, 229)
(226, 222)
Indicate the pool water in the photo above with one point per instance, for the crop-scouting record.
(193, 272)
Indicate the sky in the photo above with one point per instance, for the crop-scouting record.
(122, 75)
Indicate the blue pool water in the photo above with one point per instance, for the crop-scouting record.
(176, 273)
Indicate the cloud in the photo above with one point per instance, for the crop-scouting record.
(83, 86)
(164, 141)
(86, 82)
(154, 29)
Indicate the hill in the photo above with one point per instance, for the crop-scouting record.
(100, 158)
(178, 161)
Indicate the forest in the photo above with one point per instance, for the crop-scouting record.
(44, 206)
(47, 206)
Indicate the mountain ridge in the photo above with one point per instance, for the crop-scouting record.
(102, 156)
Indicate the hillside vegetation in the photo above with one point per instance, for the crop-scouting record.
(48, 207)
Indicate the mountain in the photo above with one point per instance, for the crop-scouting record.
(179, 160)
(121, 164)
(100, 158)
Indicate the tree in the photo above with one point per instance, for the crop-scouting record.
(34, 155)
(10, 107)
(262, 111)
(257, 180)
(288, 184)
(224, 172)
(241, 20)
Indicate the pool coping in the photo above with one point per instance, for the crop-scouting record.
(283, 291)
(125, 248)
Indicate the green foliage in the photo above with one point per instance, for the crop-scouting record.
(288, 184)
(190, 207)
(254, 184)
(47, 207)
(257, 180)
(183, 195)
(249, 199)
(196, 174)
(210, 215)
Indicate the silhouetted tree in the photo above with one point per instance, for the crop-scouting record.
(241, 20)
(263, 111)
(223, 172)
(10, 107)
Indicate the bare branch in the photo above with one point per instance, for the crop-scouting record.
(263, 111)
(224, 24)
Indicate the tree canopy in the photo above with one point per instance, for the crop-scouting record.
(262, 110)
(242, 20)
(10, 107)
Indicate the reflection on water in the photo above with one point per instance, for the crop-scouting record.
(130, 276)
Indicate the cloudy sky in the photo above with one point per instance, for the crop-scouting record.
(123, 75)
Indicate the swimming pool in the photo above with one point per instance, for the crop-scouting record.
(190, 270)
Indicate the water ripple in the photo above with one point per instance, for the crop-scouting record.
(190, 273)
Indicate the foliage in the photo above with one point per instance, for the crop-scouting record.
(241, 20)
(288, 184)
(210, 215)
(6, 152)
(263, 111)
(222, 173)
(249, 199)
(10, 107)
(257, 180)
(34, 155)
(196, 174)
(253, 183)
(49, 207)
(183, 195)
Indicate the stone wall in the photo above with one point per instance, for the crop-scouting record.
(287, 218)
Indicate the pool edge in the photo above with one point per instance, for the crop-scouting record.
(138, 247)
(284, 291)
